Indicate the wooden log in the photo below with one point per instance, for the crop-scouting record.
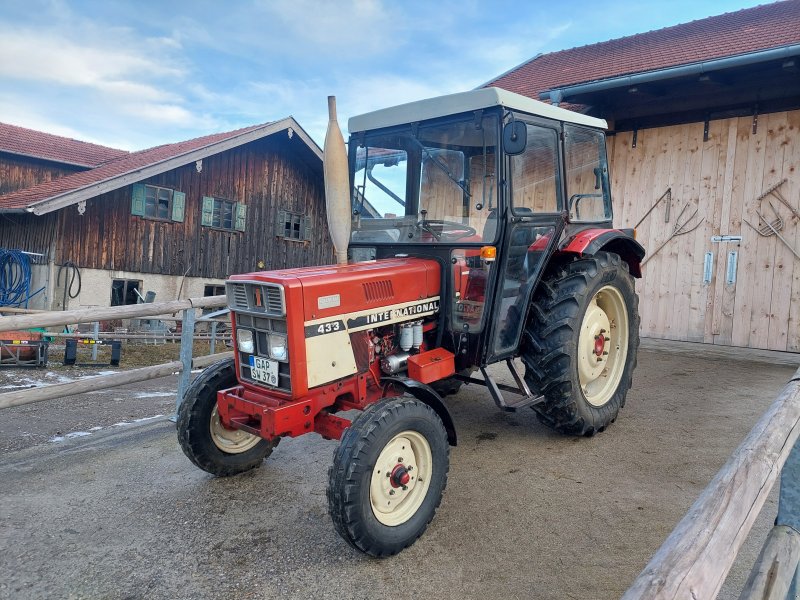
(89, 384)
(89, 315)
(775, 567)
(200, 362)
(695, 559)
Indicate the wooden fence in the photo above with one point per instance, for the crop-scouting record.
(695, 559)
(57, 318)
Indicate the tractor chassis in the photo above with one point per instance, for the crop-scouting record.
(270, 417)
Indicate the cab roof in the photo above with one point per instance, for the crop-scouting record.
(462, 102)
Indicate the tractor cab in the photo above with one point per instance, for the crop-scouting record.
(489, 183)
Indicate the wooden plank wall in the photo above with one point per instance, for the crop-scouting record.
(721, 177)
(265, 175)
(24, 231)
(17, 173)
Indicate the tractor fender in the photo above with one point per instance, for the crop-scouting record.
(619, 241)
(425, 393)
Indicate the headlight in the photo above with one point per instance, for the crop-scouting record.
(277, 347)
(244, 339)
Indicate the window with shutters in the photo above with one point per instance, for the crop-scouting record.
(293, 226)
(159, 203)
(220, 213)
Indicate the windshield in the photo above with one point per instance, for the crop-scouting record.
(433, 184)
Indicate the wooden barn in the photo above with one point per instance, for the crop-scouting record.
(176, 219)
(704, 122)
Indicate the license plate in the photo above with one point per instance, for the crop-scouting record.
(264, 370)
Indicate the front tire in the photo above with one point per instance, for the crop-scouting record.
(388, 476)
(581, 343)
(202, 436)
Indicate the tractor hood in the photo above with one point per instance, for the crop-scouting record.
(342, 289)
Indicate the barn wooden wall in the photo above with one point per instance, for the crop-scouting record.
(721, 177)
(16, 174)
(264, 175)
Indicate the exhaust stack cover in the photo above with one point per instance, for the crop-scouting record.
(337, 185)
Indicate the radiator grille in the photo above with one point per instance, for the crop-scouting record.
(378, 290)
(274, 300)
(261, 298)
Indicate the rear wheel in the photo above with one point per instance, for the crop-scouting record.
(204, 439)
(581, 343)
(388, 476)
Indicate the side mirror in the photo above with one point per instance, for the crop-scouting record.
(515, 137)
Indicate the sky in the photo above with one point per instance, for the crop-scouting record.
(141, 73)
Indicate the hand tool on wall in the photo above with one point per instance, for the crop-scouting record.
(668, 196)
(775, 191)
(771, 228)
(682, 227)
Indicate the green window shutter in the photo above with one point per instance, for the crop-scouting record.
(280, 223)
(178, 205)
(306, 228)
(137, 200)
(241, 216)
(207, 218)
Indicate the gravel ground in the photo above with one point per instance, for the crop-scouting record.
(121, 513)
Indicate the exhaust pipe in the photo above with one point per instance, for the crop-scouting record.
(337, 185)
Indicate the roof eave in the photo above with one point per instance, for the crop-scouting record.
(560, 94)
(52, 160)
(112, 183)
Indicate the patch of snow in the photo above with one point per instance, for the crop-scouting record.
(154, 395)
(77, 434)
(74, 434)
(147, 418)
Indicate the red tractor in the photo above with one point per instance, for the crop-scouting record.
(477, 230)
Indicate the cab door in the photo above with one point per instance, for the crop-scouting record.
(533, 223)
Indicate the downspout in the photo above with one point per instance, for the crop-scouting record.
(557, 95)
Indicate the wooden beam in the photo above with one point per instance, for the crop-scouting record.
(89, 384)
(90, 315)
(696, 557)
(775, 567)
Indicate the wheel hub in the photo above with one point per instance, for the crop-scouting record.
(602, 345)
(400, 478)
(230, 441)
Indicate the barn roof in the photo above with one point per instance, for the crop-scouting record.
(55, 148)
(130, 168)
(737, 33)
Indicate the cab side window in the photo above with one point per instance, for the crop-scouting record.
(534, 173)
(586, 174)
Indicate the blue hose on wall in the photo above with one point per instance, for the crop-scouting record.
(15, 278)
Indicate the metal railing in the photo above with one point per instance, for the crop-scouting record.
(696, 557)
(183, 366)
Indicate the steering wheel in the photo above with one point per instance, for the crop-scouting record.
(449, 228)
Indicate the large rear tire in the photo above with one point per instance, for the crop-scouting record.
(202, 436)
(581, 343)
(388, 476)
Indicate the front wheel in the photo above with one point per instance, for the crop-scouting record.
(203, 437)
(388, 476)
(581, 343)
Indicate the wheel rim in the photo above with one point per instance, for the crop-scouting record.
(401, 478)
(230, 441)
(603, 346)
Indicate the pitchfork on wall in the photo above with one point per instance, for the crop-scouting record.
(773, 227)
(682, 227)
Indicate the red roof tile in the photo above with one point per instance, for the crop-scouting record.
(741, 32)
(28, 142)
(134, 161)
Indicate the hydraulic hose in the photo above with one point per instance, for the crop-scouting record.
(73, 273)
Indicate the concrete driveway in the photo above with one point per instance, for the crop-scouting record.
(527, 513)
